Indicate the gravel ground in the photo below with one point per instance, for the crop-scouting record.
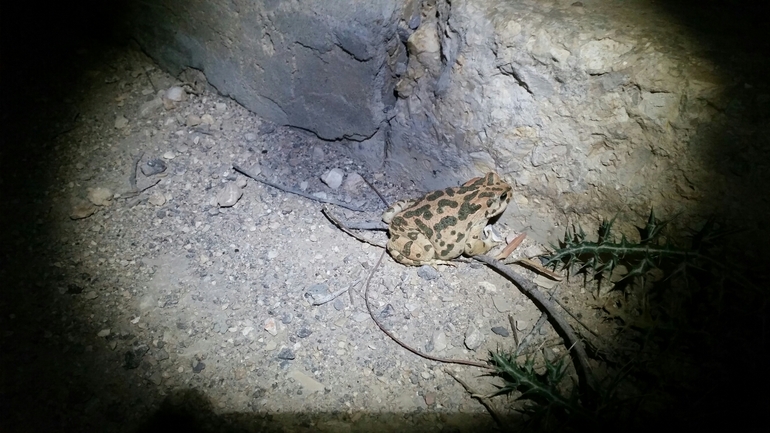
(176, 302)
(148, 285)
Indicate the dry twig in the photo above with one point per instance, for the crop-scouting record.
(563, 328)
(294, 191)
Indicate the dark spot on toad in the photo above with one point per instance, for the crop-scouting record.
(446, 203)
(444, 223)
(434, 195)
(424, 228)
(422, 212)
(467, 209)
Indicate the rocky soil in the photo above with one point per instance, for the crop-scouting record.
(147, 285)
(193, 285)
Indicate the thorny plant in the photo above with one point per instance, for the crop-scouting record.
(696, 276)
(653, 251)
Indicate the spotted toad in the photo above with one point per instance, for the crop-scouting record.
(446, 223)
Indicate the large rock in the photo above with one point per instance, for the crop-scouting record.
(587, 109)
(319, 65)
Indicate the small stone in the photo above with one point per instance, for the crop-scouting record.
(150, 107)
(439, 341)
(100, 196)
(193, 120)
(427, 273)
(82, 210)
(317, 292)
(229, 195)
(172, 97)
(91, 295)
(157, 199)
(318, 153)
(286, 354)
(121, 122)
(502, 303)
(500, 330)
(169, 155)
(304, 333)
(271, 327)
(153, 167)
(133, 358)
(306, 381)
(250, 137)
(388, 311)
(473, 338)
(207, 119)
(103, 333)
(430, 398)
(198, 366)
(156, 378)
(161, 355)
(522, 325)
(353, 182)
(333, 178)
(175, 94)
(241, 182)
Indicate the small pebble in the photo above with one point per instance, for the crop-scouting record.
(439, 341)
(157, 199)
(175, 94)
(121, 122)
(271, 327)
(100, 196)
(286, 354)
(333, 178)
(153, 167)
(193, 120)
(500, 330)
(473, 338)
(229, 195)
(427, 272)
(353, 182)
